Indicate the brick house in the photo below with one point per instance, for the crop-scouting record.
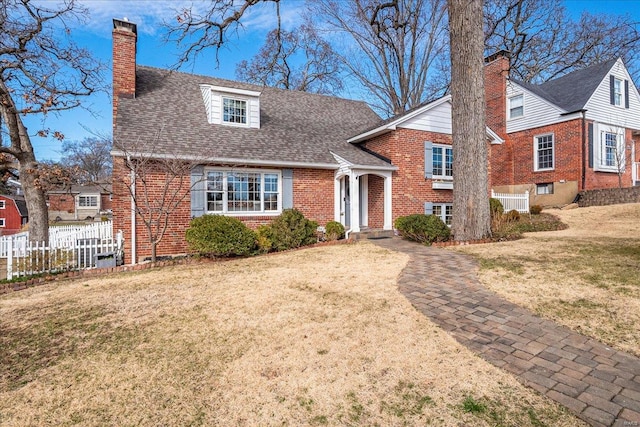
(79, 202)
(13, 214)
(258, 150)
(577, 132)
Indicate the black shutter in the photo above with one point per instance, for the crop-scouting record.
(612, 90)
(626, 94)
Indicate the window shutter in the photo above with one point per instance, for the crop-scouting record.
(287, 188)
(428, 208)
(612, 91)
(428, 159)
(198, 185)
(590, 136)
(626, 94)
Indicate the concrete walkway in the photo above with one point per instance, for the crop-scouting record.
(599, 384)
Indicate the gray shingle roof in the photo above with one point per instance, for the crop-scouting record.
(571, 92)
(168, 113)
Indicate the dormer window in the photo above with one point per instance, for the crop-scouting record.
(231, 106)
(234, 111)
(516, 106)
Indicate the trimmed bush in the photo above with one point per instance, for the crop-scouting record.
(334, 231)
(220, 236)
(535, 209)
(262, 240)
(496, 208)
(512, 216)
(421, 228)
(291, 230)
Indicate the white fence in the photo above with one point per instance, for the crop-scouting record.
(70, 248)
(518, 202)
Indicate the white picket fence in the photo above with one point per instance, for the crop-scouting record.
(69, 248)
(518, 202)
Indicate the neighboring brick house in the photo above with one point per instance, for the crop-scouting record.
(79, 202)
(577, 132)
(13, 214)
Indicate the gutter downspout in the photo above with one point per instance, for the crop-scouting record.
(584, 148)
(133, 214)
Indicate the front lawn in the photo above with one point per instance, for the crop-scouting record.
(586, 277)
(313, 337)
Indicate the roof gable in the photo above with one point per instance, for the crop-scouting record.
(572, 91)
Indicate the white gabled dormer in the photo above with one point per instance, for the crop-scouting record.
(231, 106)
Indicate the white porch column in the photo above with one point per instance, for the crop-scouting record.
(388, 219)
(354, 189)
(337, 199)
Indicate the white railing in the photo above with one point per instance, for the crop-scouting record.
(518, 202)
(28, 258)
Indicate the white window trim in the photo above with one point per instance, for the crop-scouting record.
(88, 206)
(3, 204)
(225, 193)
(443, 209)
(2, 223)
(622, 94)
(444, 163)
(509, 106)
(247, 111)
(546, 184)
(536, 167)
(599, 148)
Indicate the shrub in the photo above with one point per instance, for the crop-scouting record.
(496, 208)
(221, 236)
(535, 209)
(423, 228)
(262, 240)
(512, 216)
(334, 231)
(291, 230)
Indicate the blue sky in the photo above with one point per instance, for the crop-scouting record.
(95, 35)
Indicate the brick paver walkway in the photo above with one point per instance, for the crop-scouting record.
(599, 384)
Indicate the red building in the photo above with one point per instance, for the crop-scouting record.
(13, 214)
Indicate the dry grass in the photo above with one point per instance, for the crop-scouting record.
(586, 277)
(311, 337)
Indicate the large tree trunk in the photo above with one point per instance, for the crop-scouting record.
(35, 199)
(471, 218)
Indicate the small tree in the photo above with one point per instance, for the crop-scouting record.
(91, 157)
(158, 186)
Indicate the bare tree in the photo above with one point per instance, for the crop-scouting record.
(41, 71)
(471, 217)
(91, 157)
(395, 50)
(546, 43)
(297, 60)
(157, 184)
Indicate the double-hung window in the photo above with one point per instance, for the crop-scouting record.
(444, 211)
(234, 111)
(618, 94)
(236, 192)
(543, 152)
(442, 162)
(610, 151)
(2, 204)
(516, 106)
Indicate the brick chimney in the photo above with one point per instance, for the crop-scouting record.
(496, 72)
(125, 34)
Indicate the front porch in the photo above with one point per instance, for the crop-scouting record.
(363, 200)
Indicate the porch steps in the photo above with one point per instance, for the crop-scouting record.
(371, 233)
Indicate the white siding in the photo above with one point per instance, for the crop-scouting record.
(537, 111)
(254, 113)
(206, 98)
(599, 107)
(437, 119)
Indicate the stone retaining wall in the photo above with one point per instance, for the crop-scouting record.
(609, 196)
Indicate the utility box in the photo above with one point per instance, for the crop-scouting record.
(105, 260)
